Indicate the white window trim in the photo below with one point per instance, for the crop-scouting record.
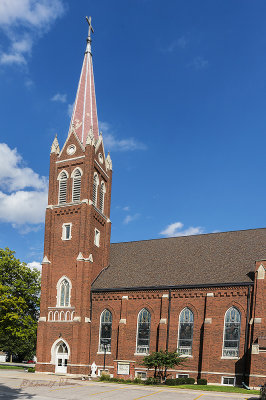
(177, 375)
(141, 372)
(98, 235)
(103, 196)
(64, 231)
(228, 377)
(231, 357)
(96, 191)
(58, 291)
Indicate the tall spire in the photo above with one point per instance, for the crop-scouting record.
(84, 117)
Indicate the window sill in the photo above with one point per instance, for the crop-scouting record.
(185, 356)
(141, 354)
(102, 352)
(230, 358)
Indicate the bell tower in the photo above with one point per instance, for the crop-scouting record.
(77, 233)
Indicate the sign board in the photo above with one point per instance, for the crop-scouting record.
(123, 368)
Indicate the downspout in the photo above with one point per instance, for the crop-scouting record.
(202, 340)
(90, 326)
(168, 324)
(246, 336)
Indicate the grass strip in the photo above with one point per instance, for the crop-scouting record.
(11, 367)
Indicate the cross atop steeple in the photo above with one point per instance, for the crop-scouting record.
(90, 27)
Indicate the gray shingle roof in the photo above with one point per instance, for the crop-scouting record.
(215, 258)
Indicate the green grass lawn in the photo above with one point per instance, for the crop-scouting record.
(214, 388)
(11, 367)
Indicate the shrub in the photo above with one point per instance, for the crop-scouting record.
(31, 369)
(180, 381)
(201, 381)
(263, 392)
(115, 380)
(105, 377)
(137, 380)
(170, 382)
(151, 381)
(128, 381)
(190, 381)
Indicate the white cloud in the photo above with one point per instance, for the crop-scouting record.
(35, 264)
(174, 230)
(126, 208)
(23, 22)
(130, 218)
(70, 109)
(61, 98)
(199, 63)
(22, 208)
(13, 175)
(178, 43)
(115, 144)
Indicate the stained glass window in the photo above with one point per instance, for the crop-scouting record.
(143, 333)
(231, 333)
(105, 331)
(185, 335)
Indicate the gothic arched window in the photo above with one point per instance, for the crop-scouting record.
(76, 185)
(63, 293)
(95, 189)
(102, 193)
(62, 195)
(185, 333)
(231, 332)
(143, 331)
(105, 331)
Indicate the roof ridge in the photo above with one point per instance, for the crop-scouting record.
(200, 234)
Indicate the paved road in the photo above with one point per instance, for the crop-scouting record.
(19, 385)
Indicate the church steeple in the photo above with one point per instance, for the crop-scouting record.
(84, 117)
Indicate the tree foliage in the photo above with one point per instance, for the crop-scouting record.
(19, 305)
(161, 361)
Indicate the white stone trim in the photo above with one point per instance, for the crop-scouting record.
(64, 231)
(123, 321)
(208, 321)
(261, 272)
(210, 294)
(257, 320)
(87, 320)
(163, 321)
(42, 319)
(77, 319)
(99, 166)
(45, 260)
(85, 201)
(124, 297)
(165, 296)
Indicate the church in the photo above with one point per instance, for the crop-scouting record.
(109, 305)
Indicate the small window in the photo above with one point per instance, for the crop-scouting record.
(66, 231)
(64, 293)
(76, 186)
(182, 376)
(141, 375)
(228, 380)
(97, 238)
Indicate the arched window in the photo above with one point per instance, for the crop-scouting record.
(95, 189)
(231, 332)
(143, 331)
(105, 331)
(76, 185)
(102, 193)
(64, 293)
(62, 196)
(185, 333)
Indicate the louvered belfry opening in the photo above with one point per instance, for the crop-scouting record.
(76, 186)
(102, 190)
(95, 187)
(62, 188)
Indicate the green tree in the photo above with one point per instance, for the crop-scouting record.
(19, 305)
(161, 361)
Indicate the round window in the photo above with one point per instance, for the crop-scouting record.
(71, 149)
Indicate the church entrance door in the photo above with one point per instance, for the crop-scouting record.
(61, 358)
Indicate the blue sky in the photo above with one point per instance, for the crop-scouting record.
(181, 96)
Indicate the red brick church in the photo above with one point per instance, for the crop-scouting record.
(114, 303)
